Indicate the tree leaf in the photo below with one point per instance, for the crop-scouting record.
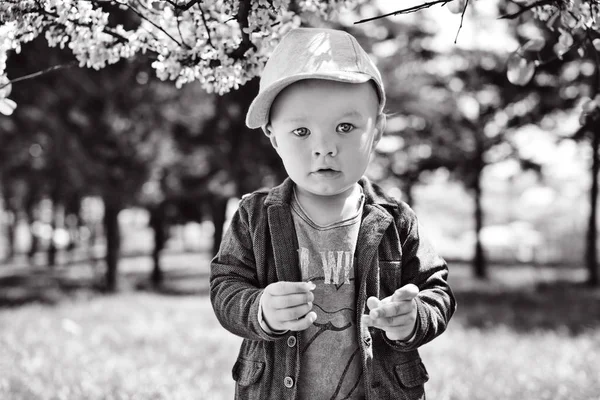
(589, 105)
(7, 106)
(519, 70)
(535, 44)
(560, 50)
(456, 6)
(5, 90)
(565, 38)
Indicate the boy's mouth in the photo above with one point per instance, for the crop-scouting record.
(326, 172)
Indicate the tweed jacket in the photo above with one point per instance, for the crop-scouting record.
(260, 247)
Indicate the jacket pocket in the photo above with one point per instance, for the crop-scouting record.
(247, 372)
(411, 374)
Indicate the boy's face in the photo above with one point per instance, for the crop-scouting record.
(325, 132)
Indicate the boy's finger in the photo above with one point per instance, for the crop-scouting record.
(366, 320)
(291, 300)
(392, 309)
(293, 313)
(406, 292)
(373, 302)
(302, 323)
(284, 288)
(397, 321)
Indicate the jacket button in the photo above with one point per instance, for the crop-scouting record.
(288, 382)
(291, 341)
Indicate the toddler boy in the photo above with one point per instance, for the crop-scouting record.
(328, 280)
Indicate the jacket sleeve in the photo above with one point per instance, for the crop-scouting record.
(234, 288)
(422, 266)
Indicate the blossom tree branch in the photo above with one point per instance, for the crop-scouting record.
(183, 7)
(39, 73)
(51, 17)
(242, 19)
(139, 14)
(408, 10)
(222, 44)
(205, 26)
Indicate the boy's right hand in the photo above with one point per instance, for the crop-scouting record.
(288, 305)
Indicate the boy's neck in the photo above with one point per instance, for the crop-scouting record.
(325, 210)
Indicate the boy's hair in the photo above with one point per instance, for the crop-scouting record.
(312, 53)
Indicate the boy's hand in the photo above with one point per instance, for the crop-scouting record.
(288, 305)
(396, 314)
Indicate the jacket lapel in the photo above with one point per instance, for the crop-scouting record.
(283, 233)
(374, 225)
(284, 242)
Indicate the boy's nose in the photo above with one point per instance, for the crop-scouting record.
(325, 147)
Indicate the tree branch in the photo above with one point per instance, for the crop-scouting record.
(592, 120)
(405, 11)
(526, 8)
(185, 6)
(177, 14)
(462, 17)
(590, 39)
(139, 14)
(242, 18)
(39, 73)
(53, 16)
(206, 26)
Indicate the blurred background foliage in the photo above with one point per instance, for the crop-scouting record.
(496, 171)
(113, 179)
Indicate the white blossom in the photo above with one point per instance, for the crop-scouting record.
(212, 42)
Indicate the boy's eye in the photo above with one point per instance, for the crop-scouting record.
(301, 132)
(345, 127)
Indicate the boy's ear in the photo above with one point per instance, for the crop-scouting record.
(268, 131)
(379, 128)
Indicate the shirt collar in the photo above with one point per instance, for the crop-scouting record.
(283, 194)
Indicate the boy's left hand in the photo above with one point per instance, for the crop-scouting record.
(396, 314)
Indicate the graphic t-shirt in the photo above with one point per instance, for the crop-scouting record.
(331, 366)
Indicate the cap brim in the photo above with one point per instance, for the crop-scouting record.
(258, 112)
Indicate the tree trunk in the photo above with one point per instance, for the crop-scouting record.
(479, 261)
(158, 224)
(592, 233)
(56, 197)
(91, 245)
(34, 246)
(219, 209)
(11, 222)
(113, 244)
(51, 261)
(35, 240)
(72, 224)
(9, 217)
(157, 277)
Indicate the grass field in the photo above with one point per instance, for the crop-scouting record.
(529, 333)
